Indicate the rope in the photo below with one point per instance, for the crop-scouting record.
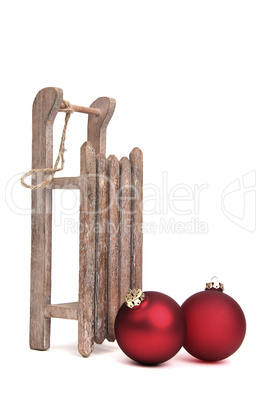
(68, 110)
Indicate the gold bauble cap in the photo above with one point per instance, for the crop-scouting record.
(214, 284)
(134, 298)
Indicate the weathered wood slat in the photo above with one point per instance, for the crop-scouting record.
(97, 125)
(87, 250)
(125, 227)
(65, 310)
(136, 159)
(64, 183)
(113, 245)
(45, 107)
(101, 249)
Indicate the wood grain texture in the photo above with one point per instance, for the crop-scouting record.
(46, 106)
(97, 125)
(87, 250)
(113, 245)
(101, 249)
(136, 160)
(125, 227)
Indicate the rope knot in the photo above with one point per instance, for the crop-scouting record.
(68, 110)
(68, 107)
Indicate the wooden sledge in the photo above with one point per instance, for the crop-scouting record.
(110, 217)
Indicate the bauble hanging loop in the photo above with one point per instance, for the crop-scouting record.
(134, 298)
(214, 285)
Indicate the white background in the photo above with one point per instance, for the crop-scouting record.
(186, 78)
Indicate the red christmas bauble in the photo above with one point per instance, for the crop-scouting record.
(153, 330)
(216, 324)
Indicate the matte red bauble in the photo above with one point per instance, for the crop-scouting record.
(216, 324)
(150, 327)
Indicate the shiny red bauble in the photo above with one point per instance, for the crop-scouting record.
(216, 324)
(153, 331)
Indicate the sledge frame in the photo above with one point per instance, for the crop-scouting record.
(110, 216)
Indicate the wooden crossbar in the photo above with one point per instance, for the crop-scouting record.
(64, 183)
(64, 310)
(82, 109)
